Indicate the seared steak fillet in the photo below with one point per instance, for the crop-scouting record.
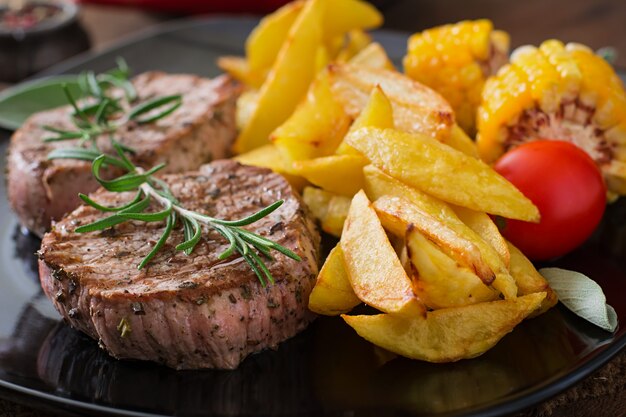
(202, 129)
(185, 311)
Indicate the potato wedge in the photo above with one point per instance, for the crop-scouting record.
(482, 224)
(316, 127)
(266, 39)
(317, 200)
(289, 78)
(416, 108)
(336, 215)
(237, 67)
(459, 140)
(379, 184)
(373, 56)
(448, 334)
(377, 113)
(343, 16)
(529, 280)
(357, 40)
(269, 156)
(438, 280)
(246, 105)
(398, 215)
(375, 272)
(424, 163)
(341, 174)
(333, 294)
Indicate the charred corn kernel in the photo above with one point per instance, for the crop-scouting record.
(455, 60)
(561, 92)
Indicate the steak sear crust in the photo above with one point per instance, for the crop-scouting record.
(186, 312)
(202, 129)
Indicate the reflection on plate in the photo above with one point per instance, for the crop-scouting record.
(325, 370)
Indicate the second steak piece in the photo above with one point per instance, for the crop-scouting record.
(202, 129)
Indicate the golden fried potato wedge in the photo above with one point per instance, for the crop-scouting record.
(343, 16)
(398, 215)
(316, 127)
(289, 78)
(357, 41)
(377, 113)
(267, 38)
(373, 56)
(482, 224)
(341, 174)
(317, 201)
(449, 334)
(416, 108)
(459, 140)
(269, 156)
(529, 280)
(379, 184)
(438, 280)
(333, 294)
(424, 163)
(237, 67)
(375, 272)
(246, 105)
(336, 215)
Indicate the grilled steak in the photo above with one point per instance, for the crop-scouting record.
(202, 129)
(185, 311)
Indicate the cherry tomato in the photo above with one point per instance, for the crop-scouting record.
(566, 186)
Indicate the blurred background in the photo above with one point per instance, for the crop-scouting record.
(33, 37)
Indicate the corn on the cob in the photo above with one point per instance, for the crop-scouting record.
(455, 60)
(561, 92)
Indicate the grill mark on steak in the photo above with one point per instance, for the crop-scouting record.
(188, 317)
(200, 130)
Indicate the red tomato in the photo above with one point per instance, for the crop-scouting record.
(566, 186)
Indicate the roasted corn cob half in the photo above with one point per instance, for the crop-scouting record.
(560, 92)
(455, 60)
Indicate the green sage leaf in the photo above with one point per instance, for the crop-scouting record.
(582, 295)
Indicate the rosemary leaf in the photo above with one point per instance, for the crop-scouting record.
(169, 225)
(100, 207)
(84, 155)
(175, 102)
(193, 233)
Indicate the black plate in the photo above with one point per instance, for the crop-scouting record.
(325, 370)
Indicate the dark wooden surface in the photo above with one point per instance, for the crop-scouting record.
(595, 23)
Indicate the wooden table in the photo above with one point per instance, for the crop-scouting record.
(595, 23)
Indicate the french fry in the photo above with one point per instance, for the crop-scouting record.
(376, 274)
(316, 127)
(529, 280)
(459, 140)
(333, 294)
(416, 108)
(448, 334)
(438, 280)
(289, 78)
(377, 113)
(237, 67)
(269, 156)
(398, 214)
(341, 174)
(482, 224)
(424, 163)
(379, 184)
(246, 106)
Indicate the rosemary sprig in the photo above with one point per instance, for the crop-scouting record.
(104, 114)
(149, 189)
